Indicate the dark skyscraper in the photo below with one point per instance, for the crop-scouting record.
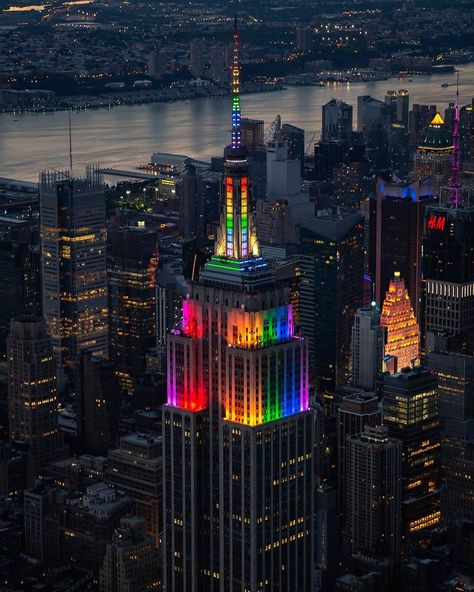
(373, 498)
(411, 415)
(448, 274)
(99, 399)
(356, 411)
(294, 137)
(395, 231)
(337, 121)
(332, 267)
(191, 203)
(20, 284)
(131, 270)
(73, 251)
(32, 398)
(238, 431)
(368, 338)
(252, 133)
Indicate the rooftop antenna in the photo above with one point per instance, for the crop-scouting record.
(236, 133)
(70, 144)
(454, 184)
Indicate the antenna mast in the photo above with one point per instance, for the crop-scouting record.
(455, 183)
(70, 144)
(236, 136)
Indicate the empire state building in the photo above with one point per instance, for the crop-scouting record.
(238, 430)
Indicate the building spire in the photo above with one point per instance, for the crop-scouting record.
(455, 183)
(236, 137)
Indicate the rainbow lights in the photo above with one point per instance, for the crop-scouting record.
(236, 91)
(254, 330)
(277, 379)
(192, 319)
(229, 216)
(262, 374)
(244, 222)
(184, 376)
(266, 366)
(403, 332)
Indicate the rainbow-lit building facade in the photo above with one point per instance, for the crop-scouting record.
(403, 331)
(238, 430)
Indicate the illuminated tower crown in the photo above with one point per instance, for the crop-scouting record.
(403, 332)
(238, 395)
(236, 237)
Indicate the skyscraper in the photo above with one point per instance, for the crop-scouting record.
(398, 318)
(370, 112)
(131, 270)
(191, 203)
(98, 403)
(294, 138)
(136, 469)
(419, 119)
(368, 339)
(398, 105)
(373, 498)
(252, 131)
(32, 398)
(238, 507)
(73, 250)
(411, 415)
(20, 283)
(337, 121)
(433, 157)
(395, 231)
(332, 267)
(448, 273)
(356, 411)
(455, 374)
(283, 173)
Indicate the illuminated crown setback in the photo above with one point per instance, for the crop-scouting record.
(236, 237)
(403, 332)
(264, 374)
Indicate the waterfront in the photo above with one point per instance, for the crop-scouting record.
(126, 136)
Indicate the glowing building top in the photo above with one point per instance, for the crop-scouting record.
(403, 332)
(259, 371)
(236, 238)
(437, 137)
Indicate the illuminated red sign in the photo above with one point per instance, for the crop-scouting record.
(436, 222)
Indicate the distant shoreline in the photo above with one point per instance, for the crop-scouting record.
(139, 97)
(144, 96)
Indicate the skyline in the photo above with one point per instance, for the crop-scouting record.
(253, 373)
(96, 132)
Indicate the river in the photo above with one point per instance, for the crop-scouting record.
(126, 136)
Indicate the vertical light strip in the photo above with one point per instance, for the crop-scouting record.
(236, 92)
(229, 214)
(244, 216)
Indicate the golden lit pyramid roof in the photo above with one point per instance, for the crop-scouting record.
(437, 136)
(437, 120)
(403, 332)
